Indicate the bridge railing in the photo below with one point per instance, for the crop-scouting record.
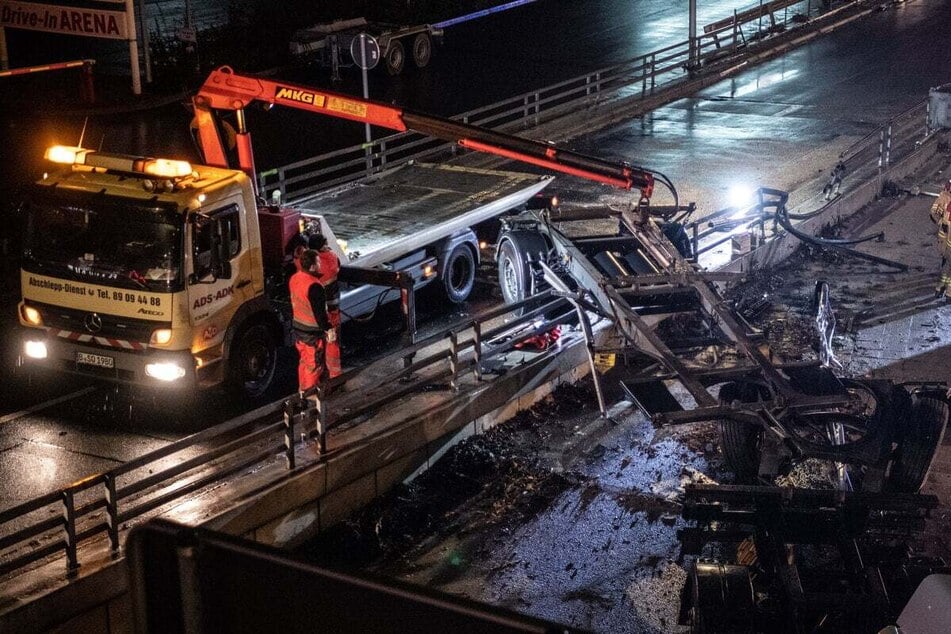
(637, 77)
(94, 508)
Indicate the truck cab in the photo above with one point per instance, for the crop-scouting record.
(145, 271)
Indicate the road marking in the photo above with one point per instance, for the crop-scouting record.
(41, 406)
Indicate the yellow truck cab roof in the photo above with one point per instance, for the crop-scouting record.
(214, 182)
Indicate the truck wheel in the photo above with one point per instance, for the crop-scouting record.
(253, 359)
(923, 430)
(395, 58)
(459, 274)
(740, 441)
(422, 50)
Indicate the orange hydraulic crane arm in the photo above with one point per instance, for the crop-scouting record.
(226, 90)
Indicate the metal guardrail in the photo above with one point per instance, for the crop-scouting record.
(645, 74)
(867, 157)
(58, 522)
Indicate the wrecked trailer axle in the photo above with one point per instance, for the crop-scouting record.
(799, 560)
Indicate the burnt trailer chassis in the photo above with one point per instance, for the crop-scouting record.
(755, 566)
(771, 559)
(621, 265)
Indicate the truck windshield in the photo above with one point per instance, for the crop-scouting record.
(104, 240)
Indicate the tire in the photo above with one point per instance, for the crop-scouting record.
(923, 430)
(514, 275)
(459, 272)
(253, 359)
(422, 50)
(740, 442)
(721, 598)
(395, 58)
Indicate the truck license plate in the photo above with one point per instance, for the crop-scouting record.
(97, 360)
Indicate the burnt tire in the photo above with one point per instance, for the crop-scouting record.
(253, 359)
(739, 441)
(395, 58)
(923, 430)
(459, 274)
(422, 50)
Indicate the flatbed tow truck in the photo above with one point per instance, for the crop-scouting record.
(155, 272)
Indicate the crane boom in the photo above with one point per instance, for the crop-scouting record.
(226, 90)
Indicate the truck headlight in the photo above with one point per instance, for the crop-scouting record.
(161, 336)
(166, 371)
(35, 349)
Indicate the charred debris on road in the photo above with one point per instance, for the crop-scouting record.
(494, 484)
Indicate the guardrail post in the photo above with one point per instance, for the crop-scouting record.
(289, 434)
(653, 70)
(320, 418)
(69, 519)
(537, 108)
(881, 149)
(736, 31)
(477, 348)
(454, 361)
(524, 108)
(408, 297)
(383, 155)
(112, 513)
(644, 77)
(696, 240)
(888, 145)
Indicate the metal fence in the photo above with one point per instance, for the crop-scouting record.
(866, 158)
(636, 78)
(96, 507)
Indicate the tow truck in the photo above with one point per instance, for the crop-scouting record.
(156, 272)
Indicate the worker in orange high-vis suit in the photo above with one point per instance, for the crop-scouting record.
(329, 268)
(941, 216)
(312, 328)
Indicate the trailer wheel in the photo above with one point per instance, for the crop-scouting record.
(422, 50)
(517, 250)
(740, 441)
(253, 359)
(922, 434)
(459, 273)
(395, 57)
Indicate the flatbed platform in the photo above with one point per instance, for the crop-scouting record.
(383, 218)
